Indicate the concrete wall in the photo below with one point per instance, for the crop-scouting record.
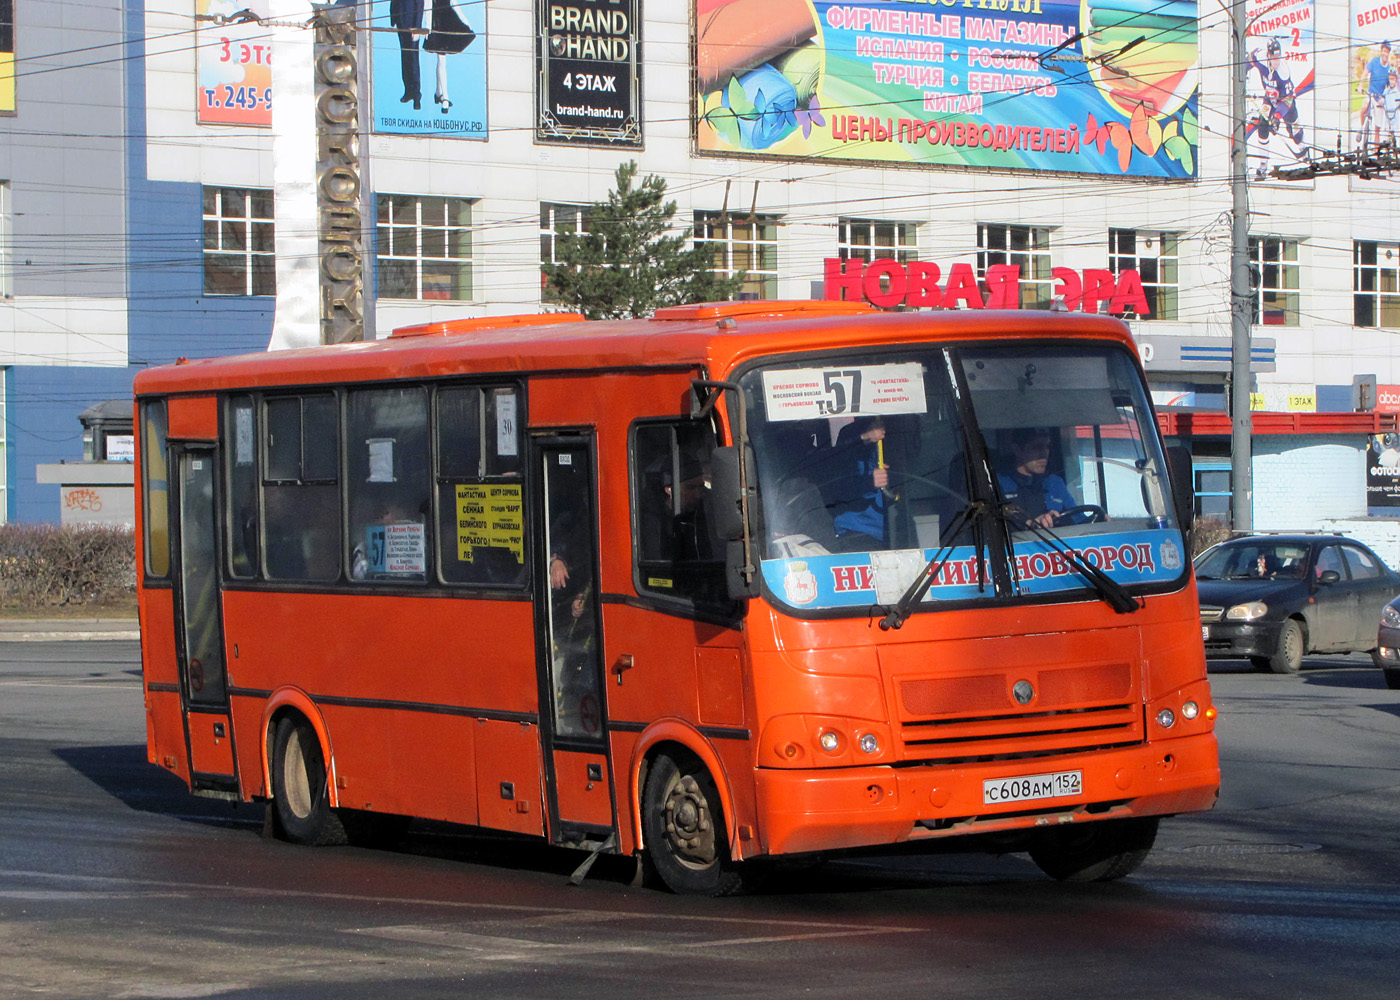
(1299, 480)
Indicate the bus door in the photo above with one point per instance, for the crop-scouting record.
(570, 643)
(199, 634)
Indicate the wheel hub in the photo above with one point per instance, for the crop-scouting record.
(689, 824)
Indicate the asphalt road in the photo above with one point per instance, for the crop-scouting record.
(115, 883)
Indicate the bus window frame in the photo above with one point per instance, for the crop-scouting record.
(152, 577)
(487, 391)
(725, 611)
(993, 599)
(301, 394)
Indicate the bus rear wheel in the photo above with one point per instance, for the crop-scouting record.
(299, 792)
(1095, 852)
(684, 829)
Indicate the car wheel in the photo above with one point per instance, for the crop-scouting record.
(1288, 656)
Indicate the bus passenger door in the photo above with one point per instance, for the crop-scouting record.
(199, 633)
(570, 643)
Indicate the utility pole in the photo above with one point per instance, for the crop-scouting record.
(1241, 295)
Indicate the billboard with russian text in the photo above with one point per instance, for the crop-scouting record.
(233, 63)
(429, 67)
(1279, 54)
(1105, 87)
(1375, 95)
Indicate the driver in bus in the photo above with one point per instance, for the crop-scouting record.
(862, 488)
(1040, 496)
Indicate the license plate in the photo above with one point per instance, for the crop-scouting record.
(1033, 786)
(1205, 632)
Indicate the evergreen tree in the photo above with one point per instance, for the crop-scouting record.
(626, 264)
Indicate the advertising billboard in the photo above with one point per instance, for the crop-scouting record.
(1104, 87)
(1375, 97)
(429, 69)
(588, 72)
(1279, 85)
(233, 64)
(7, 57)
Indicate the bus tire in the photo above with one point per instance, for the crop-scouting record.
(299, 792)
(684, 829)
(1095, 852)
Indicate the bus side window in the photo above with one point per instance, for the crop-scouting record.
(240, 454)
(301, 501)
(678, 554)
(480, 497)
(387, 480)
(156, 501)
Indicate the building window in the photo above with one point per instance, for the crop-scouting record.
(557, 221)
(1375, 283)
(239, 256)
(746, 248)
(425, 248)
(1153, 256)
(1273, 273)
(871, 239)
(1026, 247)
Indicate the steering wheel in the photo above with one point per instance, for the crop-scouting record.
(1095, 512)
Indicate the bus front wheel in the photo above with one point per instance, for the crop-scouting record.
(299, 793)
(684, 829)
(1095, 852)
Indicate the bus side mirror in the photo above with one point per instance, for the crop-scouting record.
(1183, 486)
(726, 489)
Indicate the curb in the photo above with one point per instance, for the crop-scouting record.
(59, 630)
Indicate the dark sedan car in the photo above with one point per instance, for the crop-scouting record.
(1272, 598)
(1387, 654)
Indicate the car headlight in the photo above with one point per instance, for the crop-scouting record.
(1247, 612)
(1390, 617)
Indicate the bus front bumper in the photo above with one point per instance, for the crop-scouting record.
(824, 810)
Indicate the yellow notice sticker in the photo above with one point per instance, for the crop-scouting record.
(490, 516)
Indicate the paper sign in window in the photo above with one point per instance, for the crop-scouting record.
(490, 516)
(844, 391)
(381, 460)
(396, 548)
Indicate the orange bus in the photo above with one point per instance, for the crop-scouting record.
(736, 582)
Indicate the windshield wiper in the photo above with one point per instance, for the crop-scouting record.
(898, 612)
(1113, 593)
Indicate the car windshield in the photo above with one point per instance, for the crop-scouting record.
(871, 465)
(1254, 559)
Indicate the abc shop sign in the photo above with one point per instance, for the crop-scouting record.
(921, 284)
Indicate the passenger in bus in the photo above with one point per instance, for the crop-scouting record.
(1027, 484)
(860, 492)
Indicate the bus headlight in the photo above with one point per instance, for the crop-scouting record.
(1166, 718)
(829, 741)
(1247, 612)
(870, 743)
(1190, 710)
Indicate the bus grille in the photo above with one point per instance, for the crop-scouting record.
(954, 719)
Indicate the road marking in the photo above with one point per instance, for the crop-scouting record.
(577, 914)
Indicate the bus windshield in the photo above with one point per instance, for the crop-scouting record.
(1003, 466)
